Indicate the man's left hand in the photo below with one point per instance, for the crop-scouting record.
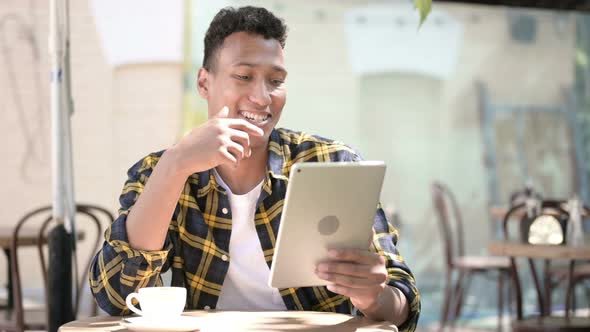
(358, 274)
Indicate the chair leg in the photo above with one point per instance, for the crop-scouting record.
(462, 286)
(517, 291)
(500, 298)
(574, 304)
(588, 298)
(542, 307)
(451, 317)
(571, 294)
(10, 299)
(547, 286)
(569, 288)
(510, 297)
(94, 309)
(446, 301)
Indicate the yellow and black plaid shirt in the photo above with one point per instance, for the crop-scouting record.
(200, 231)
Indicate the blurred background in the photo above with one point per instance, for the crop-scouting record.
(486, 99)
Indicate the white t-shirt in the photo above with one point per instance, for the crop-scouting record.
(246, 284)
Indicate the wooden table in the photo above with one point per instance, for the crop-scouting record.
(542, 251)
(267, 321)
(548, 252)
(28, 237)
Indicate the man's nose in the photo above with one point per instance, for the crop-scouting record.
(260, 94)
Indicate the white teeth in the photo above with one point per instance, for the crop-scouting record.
(255, 117)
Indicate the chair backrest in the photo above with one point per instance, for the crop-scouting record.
(520, 213)
(450, 221)
(44, 214)
(521, 196)
(525, 215)
(108, 218)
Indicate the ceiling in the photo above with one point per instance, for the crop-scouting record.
(579, 5)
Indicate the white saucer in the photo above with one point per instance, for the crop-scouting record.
(178, 324)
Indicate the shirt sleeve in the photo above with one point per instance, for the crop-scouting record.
(385, 238)
(118, 269)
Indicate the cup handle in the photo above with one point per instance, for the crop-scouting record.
(130, 305)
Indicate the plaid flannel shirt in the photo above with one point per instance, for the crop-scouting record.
(200, 229)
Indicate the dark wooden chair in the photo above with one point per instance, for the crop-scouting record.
(544, 321)
(521, 196)
(457, 262)
(556, 276)
(16, 318)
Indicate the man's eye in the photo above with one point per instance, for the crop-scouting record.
(277, 82)
(243, 77)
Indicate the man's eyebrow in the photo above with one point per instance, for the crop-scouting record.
(249, 64)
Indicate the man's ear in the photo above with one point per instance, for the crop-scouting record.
(203, 83)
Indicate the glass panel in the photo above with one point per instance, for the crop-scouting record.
(484, 99)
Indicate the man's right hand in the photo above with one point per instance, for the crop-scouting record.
(218, 141)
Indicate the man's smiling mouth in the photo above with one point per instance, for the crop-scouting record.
(256, 118)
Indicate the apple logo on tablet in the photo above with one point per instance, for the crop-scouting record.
(328, 225)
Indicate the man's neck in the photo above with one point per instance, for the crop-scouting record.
(247, 174)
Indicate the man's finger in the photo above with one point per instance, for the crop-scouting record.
(229, 157)
(236, 149)
(374, 272)
(242, 138)
(346, 291)
(345, 280)
(355, 256)
(245, 126)
(342, 290)
(352, 269)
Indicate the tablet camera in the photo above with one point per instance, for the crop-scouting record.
(328, 225)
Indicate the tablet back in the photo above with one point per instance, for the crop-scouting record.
(328, 205)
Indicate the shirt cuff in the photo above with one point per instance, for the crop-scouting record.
(144, 260)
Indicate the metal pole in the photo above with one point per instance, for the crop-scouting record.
(70, 205)
(61, 239)
(56, 53)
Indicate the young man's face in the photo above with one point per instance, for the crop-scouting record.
(249, 78)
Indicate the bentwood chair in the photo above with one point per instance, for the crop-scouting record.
(17, 318)
(457, 262)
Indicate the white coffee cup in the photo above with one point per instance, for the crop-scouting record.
(158, 302)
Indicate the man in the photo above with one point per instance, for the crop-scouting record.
(211, 208)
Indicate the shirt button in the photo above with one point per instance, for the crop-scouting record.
(224, 211)
(207, 307)
(224, 258)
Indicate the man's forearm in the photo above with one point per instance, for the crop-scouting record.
(149, 219)
(391, 305)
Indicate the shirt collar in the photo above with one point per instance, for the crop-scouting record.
(276, 156)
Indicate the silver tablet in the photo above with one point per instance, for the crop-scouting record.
(328, 205)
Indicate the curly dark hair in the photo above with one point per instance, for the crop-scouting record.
(249, 19)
